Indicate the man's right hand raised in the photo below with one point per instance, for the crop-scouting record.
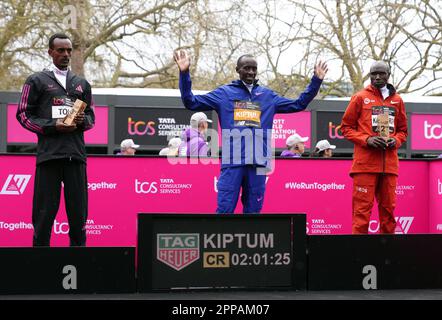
(182, 60)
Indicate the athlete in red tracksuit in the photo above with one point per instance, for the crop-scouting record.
(375, 160)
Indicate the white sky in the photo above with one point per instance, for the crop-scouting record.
(288, 59)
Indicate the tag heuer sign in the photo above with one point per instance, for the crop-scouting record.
(178, 250)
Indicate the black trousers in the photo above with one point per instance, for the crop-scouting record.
(47, 189)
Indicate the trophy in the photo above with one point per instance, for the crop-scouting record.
(383, 125)
(78, 106)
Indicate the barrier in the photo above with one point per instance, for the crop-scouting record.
(119, 188)
(221, 251)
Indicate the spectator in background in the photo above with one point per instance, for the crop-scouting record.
(193, 139)
(295, 146)
(128, 148)
(172, 148)
(323, 149)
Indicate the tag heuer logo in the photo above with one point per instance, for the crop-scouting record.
(178, 250)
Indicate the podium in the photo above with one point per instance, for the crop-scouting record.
(207, 251)
(358, 262)
(45, 270)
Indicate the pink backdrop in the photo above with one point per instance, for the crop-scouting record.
(284, 125)
(427, 132)
(435, 197)
(119, 188)
(97, 135)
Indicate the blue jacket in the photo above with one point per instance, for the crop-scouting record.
(246, 119)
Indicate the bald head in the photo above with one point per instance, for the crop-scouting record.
(244, 56)
(247, 68)
(379, 74)
(380, 65)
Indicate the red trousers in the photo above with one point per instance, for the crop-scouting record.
(367, 186)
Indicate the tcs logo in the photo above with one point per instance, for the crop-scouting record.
(58, 101)
(145, 187)
(61, 227)
(334, 131)
(140, 128)
(432, 131)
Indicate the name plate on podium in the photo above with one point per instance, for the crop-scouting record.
(190, 251)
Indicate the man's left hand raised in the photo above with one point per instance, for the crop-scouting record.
(321, 69)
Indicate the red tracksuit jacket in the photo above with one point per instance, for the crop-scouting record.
(360, 122)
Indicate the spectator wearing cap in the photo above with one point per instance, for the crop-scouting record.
(193, 139)
(295, 146)
(172, 147)
(323, 149)
(128, 148)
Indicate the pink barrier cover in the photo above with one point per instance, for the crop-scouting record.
(435, 197)
(426, 133)
(120, 188)
(97, 135)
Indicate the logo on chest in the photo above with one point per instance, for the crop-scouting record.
(51, 87)
(57, 101)
(247, 114)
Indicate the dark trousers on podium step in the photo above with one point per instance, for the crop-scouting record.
(47, 190)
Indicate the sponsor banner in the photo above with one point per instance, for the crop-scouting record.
(435, 197)
(323, 191)
(426, 133)
(151, 126)
(329, 127)
(320, 188)
(97, 135)
(286, 124)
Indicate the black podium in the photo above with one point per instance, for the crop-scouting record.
(45, 270)
(207, 251)
(358, 262)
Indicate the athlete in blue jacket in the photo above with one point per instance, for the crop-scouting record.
(245, 111)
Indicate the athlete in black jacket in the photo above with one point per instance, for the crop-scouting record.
(46, 98)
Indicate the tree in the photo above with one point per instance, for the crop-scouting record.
(351, 34)
(19, 39)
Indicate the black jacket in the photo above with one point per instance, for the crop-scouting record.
(40, 92)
